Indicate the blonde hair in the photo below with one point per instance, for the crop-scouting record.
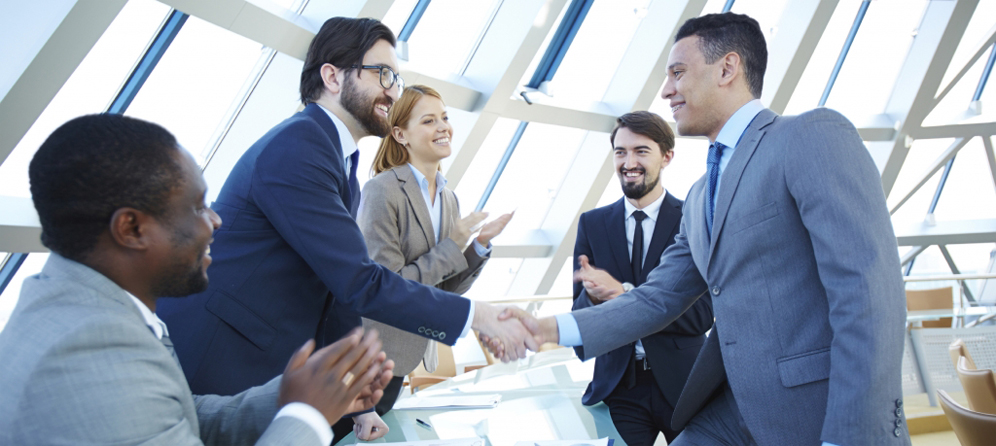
(392, 153)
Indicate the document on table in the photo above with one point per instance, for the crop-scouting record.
(470, 441)
(600, 442)
(449, 402)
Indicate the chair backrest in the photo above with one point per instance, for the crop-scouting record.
(934, 299)
(980, 388)
(957, 349)
(971, 427)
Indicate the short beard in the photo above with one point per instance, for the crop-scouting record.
(636, 191)
(180, 278)
(362, 109)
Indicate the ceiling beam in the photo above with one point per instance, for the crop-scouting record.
(947, 233)
(938, 163)
(20, 230)
(799, 31)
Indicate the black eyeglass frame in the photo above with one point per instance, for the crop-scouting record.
(395, 77)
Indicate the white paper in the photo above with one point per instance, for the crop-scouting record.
(599, 442)
(449, 402)
(470, 441)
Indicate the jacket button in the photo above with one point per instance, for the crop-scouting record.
(899, 422)
(899, 412)
(435, 333)
(898, 432)
(421, 330)
(442, 335)
(899, 402)
(715, 291)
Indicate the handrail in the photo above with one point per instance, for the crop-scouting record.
(948, 277)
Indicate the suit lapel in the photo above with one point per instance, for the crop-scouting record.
(615, 227)
(419, 207)
(667, 221)
(450, 214)
(731, 176)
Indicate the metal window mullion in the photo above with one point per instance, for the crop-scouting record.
(728, 6)
(501, 165)
(561, 42)
(843, 51)
(413, 19)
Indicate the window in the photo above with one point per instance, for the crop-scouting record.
(8, 300)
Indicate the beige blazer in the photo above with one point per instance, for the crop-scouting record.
(395, 222)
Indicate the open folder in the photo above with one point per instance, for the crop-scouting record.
(449, 402)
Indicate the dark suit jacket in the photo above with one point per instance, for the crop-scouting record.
(288, 248)
(671, 351)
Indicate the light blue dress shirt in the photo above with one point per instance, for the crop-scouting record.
(435, 207)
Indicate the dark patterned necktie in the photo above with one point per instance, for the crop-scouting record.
(715, 154)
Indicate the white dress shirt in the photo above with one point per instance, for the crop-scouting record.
(435, 206)
(304, 412)
(652, 210)
(348, 148)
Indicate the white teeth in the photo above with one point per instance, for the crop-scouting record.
(676, 107)
(208, 250)
(442, 141)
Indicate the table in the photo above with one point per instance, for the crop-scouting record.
(541, 400)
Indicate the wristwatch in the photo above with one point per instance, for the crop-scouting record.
(627, 287)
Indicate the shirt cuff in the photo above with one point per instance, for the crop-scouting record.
(481, 250)
(310, 416)
(567, 328)
(828, 444)
(470, 320)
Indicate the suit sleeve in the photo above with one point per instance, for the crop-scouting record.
(464, 279)
(838, 192)
(581, 299)
(669, 291)
(378, 220)
(113, 383)
(237, 419)
(296, 185)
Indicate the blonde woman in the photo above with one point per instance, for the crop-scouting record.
(411, 220)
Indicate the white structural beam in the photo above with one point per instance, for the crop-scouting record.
(929, 56)
(982, 47)
(947, 233)
(20, 230)
(966, 130)
(799, 31)
(52, 67)
(938, 163)
(987, 142)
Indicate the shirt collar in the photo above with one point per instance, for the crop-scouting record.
(423, 182)
(651, 209)
(155, 324)
(735, 127)
(345, 138)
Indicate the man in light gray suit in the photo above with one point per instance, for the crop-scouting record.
(789, 233)
(84, 358)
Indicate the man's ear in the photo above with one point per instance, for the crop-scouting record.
(399, 135)
(130, 228)
(668, 156)
(730, 68)
(330, 77)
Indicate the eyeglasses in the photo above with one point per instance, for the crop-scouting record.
(388, 78)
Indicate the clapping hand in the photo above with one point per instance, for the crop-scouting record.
(466, 227)
(599, 284)
(493, 228)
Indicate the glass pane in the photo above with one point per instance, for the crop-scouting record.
(90, 88)
(533, 175)
(607, 30)
(446, 34)
(969, 192)
(921, 155)
(8, 300)
(397, 16)
(197, 82)
(495, 279)
(766, 12)
(475, 180)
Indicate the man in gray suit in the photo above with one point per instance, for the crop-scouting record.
(85, 359)
(789, 233)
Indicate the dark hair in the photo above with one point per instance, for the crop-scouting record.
(94, 165)
(721, 34)
(341, 42)
(647, 124)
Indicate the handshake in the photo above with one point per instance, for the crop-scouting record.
(508, 332)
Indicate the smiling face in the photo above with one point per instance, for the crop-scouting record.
(428, 132)
(693, 89)
(364, 97)
(189, 224)
(638, 161)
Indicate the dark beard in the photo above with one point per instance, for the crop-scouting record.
(180, 278)
(637, 191)
(362, 108)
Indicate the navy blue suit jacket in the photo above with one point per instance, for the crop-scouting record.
(287, 250)
(671, 351)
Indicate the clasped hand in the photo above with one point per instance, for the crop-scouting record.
(523, 332)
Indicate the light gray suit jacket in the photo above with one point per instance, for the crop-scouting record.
(804, 273)
(394, 219)
(79, 366)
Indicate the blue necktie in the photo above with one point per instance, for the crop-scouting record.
(715, 154)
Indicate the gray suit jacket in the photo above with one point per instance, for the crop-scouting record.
(394, 219)
(804, 274)
(81, 367)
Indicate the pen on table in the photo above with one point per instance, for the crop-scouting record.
(422, 423)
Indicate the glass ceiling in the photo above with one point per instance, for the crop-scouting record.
(217, 89)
